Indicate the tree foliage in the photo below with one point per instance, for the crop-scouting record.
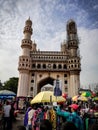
(11, 84)
(1, 85)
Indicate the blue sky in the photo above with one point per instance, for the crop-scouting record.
(49, 19)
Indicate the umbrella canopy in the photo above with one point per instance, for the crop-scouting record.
(75, 98)
(58, 99)
(95, 99)
(86, 94)
(46, 96)
(7, 93)
(6, 97)
(82, 98)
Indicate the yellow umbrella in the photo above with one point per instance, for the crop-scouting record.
(82, 98)
(58, 99)
(75, 98)
(46, 96)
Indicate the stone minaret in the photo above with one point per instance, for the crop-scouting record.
(25, 61)
(74, 58)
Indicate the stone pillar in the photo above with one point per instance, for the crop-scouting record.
(74, 84)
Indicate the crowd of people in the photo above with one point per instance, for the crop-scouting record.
(62, 116)
(68, 115)
(6, 115)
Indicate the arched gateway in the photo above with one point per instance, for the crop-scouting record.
(38, 68)
(44, 82)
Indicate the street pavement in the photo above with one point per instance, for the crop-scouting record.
(18, 122)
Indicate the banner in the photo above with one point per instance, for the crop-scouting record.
(57, 88)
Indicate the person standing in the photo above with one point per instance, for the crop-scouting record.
(1, 112)
(30, 116)
(72, 117)
(26, 117)
(7, 119)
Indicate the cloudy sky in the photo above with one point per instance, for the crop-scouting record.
(49, 19)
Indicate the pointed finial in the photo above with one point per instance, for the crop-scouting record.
(29, 18)
(28, 21)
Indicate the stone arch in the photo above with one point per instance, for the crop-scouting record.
(43, 82)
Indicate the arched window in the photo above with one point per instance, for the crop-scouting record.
(65, 81)
(31, 89)
(44, 66)
(65, 67)
(54, 66)
(39, 66)
(32, 81)
(59, 66)
(33, 65)
(58, 76)
(72, 66)
(65, 75)
(32, 74)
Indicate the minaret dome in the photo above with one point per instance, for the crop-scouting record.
(28, 22)
(71, 27)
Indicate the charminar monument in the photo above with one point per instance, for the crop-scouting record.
(39, 68)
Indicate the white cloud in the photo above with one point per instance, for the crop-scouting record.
(89, 53)
(8, 65)
(49, 23)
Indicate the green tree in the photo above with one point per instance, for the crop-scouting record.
(11, 84)
(1, 86)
